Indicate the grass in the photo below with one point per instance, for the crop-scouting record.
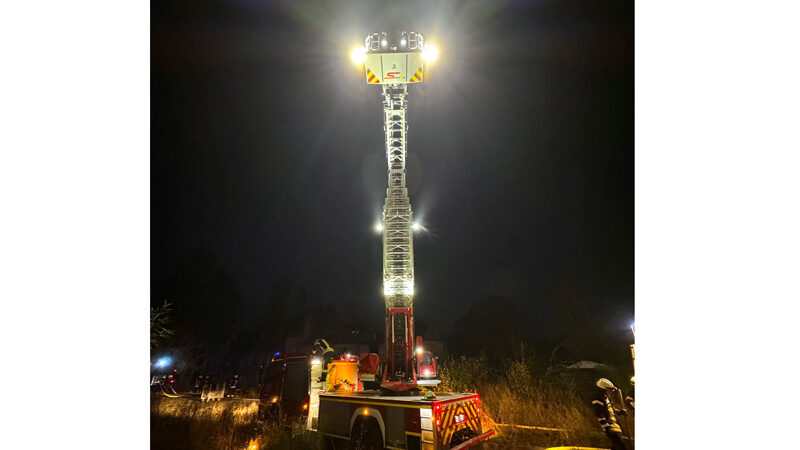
(521, 393)
(187, 423)
(514, 393)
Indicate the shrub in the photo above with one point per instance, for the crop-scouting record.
(522, 393)
(464, 374)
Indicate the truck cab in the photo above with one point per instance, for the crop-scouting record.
(427, 365)
(284, 387)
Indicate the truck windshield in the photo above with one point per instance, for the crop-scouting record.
(426, 358)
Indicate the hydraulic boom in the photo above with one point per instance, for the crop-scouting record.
(395, 60)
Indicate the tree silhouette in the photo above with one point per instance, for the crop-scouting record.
(159, 318)
(207, 301)
(493, 324)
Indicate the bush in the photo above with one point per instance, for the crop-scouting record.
(522, 393)
(519, 379)
(464, 374)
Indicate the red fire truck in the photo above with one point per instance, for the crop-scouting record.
(370, 420)
(336, 405)
(399, 413)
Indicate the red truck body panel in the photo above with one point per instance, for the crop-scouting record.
(452, 420)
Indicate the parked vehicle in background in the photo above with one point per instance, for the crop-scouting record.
(426, 365)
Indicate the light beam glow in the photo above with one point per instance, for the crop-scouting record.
(358, 55)
(429, 53)
(164, 361)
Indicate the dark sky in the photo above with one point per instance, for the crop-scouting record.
(267, 149)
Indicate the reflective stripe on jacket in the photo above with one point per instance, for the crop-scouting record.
(605, 415)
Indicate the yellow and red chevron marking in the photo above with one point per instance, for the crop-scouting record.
(457, 416)
(417, 76)
(371, 78)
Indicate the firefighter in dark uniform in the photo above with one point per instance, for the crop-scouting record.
(198, 384)
(604, 410)
(233, 386)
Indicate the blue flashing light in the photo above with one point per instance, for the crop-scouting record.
(276, 353)
(164, 361)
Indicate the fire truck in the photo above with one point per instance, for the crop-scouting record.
(335, 404)
(397, 412)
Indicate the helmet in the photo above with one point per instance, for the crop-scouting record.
(603, 383)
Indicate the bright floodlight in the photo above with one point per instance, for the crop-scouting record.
(416, 226)
(378, 227)
(402, 42)
(359, 55)
(429, 53)
(384, 43)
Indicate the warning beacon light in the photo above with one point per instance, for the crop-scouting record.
(163, 362)
(394, 58)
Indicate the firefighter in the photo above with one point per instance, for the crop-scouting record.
(323, 349)
(233, 386)
(629, 399)
(604, 409)
(198, 384)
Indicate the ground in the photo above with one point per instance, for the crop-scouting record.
(187, 423)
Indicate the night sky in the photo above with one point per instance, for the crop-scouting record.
(267, 150)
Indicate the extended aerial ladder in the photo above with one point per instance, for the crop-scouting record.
(395, 60)
(337, 405)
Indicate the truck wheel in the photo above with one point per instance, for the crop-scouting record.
(274, 412)
(262, 412)
(366, 435)
(330, 443)
(268, 412)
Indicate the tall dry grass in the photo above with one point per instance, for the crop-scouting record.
(187, 423)
(516, 392)
(522, 392)
(519, 392)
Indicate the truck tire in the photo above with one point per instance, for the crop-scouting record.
(262, 412)
(366, 435)
(268, 412)
(330, 443)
